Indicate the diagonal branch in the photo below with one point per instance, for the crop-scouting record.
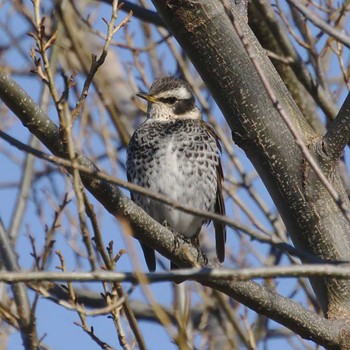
(140, 12)
(338, 134)
(321, 24)
(270, 239)
(313, 219)
(258, 298)
(9, 260)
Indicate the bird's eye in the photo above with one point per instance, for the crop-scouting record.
(169, 100)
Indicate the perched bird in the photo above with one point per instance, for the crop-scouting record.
(175, 153)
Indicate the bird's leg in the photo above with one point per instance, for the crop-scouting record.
(195, 241)
(177, 239)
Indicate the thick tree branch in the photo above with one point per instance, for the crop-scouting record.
(261, 11)
(298, 137)
(269, 31)
(338, 134)
(312, 218)
(270, 239)
(258, 298)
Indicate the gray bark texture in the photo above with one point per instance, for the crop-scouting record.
(313, 219)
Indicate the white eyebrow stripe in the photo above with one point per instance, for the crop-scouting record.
(180, 93)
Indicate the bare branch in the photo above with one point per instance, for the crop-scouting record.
(336, 34)
(140, 13)
(258, 298)
(256, 235)
(195, 274)
(338, 134)
(97, 63)
(212, 46)
(25, 322)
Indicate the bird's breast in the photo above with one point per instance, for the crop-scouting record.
(179, 161)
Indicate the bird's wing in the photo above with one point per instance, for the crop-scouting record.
(148, 252)
(220, 229)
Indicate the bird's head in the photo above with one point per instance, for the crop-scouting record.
(170, 98)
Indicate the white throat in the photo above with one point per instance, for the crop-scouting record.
(161, 111)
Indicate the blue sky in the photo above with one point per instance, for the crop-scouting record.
(53, 320)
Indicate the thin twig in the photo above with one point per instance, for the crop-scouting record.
(330, 30)
(197, 274)
(96, 63)
(298, 139)
(9, 261)
(261, 237)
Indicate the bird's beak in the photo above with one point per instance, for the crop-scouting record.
(146, 97)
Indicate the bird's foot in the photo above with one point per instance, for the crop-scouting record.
(177, 239)
(200, 253)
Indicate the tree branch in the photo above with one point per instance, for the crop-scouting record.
(321, 24)
(270, 239)
(258, 298)
(272, 36)
(194, 274)
(338, 134)
(312, 218)
(141, 13)
(26, 324)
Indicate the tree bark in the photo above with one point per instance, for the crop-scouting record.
(314, 221)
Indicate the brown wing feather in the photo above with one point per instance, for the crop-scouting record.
(148, 252)
(150, 257)
(220, 229)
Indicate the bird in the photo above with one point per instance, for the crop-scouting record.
(177, 154)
